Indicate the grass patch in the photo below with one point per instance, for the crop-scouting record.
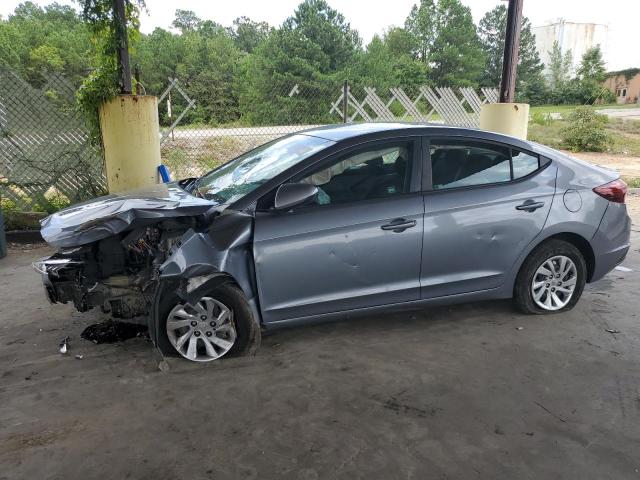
(545, 109)
(547, 134)
(625, 125)
(632, 182)
(625, 144)
(625, 135)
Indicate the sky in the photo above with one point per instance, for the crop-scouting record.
(372, 17)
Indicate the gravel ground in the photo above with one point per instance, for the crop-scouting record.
(471, 391)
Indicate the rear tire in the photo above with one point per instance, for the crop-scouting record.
(245, 331)
(551, 279)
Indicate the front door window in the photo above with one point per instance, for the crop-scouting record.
(373, 172)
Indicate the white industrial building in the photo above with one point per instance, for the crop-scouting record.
(577, 37)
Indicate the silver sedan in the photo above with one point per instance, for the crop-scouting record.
(337, 221)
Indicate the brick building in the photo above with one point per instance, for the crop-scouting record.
(625, 85)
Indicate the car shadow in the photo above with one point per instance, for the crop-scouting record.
(419, 319)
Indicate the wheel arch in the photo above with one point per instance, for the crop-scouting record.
(575, 239)
(204, 260)
(583, 245)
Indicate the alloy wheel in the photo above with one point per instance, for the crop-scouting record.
(554, 283)
(201, 332)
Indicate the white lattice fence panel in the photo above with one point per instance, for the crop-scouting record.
(446, 105)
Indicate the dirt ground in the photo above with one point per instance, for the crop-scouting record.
(471, 391)
(628, 166)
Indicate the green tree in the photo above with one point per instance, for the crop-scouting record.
(421, 25)
(375, 66)
(586, 87)
(209, 28)
(328, 29)
(266, 83)
(312, 51)
(446, 41)
(207, 71)
(159, 55)
(9, 51)
(386, 63)
(399, 41)
(186, 21)
(492, 32)
(36, 41)
(248, 34)
(592, 66)
(559, 66)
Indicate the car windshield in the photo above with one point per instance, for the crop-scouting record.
(247, 172)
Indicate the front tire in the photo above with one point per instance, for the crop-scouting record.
(219, 324)
(551, 279)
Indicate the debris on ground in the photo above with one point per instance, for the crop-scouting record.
(79, 357)
(110, 331)
(620, 268)
(63, 345)
(519, 328)
(550, 412)
(611, 330)
(163, 366)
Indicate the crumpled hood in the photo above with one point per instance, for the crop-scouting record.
(103, 217)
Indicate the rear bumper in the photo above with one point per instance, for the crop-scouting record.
(611, 241)
(607, 262)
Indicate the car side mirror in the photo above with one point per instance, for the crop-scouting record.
(292, 194)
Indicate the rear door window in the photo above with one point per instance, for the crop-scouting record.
(464, 163)
(524, 163)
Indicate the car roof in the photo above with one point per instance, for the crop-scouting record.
(342, 132)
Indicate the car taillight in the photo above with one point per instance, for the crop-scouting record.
(613, 191)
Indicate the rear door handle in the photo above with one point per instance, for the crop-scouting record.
(399, 225)
(530, 206)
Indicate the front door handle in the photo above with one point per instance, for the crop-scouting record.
(530, 206)
(399, 225)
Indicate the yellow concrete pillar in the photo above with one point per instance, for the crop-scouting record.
(507, 118)
(131, 140)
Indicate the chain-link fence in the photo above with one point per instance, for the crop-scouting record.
(48, 161)
(192, 149)
(46, 158)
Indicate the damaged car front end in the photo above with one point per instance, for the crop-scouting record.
(154, 255)
(111, 249)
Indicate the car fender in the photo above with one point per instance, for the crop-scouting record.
(202, 260)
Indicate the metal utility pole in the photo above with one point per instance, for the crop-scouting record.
(511, 49)
(124, 68)
(345, 101)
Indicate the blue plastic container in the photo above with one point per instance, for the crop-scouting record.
(165, 175)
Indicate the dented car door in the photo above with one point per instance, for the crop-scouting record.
(485, 202)
(358, 246)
